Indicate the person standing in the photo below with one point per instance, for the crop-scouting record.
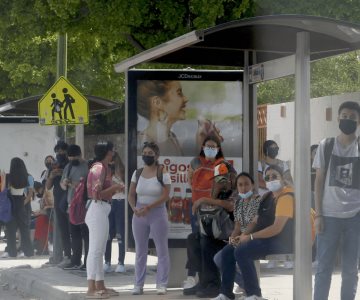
(337, 204)
(61, 216)
(100, 191)
(116, 218)
(76, 169)
(150, 218)
(17, 181)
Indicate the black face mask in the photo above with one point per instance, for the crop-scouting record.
(347, 126)
(39, 195)
(75, 162)
(272, 152)
(48, 165)
(148, 160)
(61, 160)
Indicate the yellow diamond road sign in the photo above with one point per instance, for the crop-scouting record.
(63, 104)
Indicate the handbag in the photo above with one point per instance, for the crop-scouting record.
(5, 206)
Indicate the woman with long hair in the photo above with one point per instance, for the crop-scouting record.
(116, 217)
(150, 218)
(100, 191)
(17, 183)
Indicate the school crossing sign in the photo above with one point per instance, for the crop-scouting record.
(63, 104)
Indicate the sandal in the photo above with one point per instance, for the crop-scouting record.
(98, 295)
(111, 292)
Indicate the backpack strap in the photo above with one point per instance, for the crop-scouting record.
(195, 163)
(159, 174)
(137, 175)
(329, 145)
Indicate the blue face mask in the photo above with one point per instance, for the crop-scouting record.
(210, 152)
(246, 195)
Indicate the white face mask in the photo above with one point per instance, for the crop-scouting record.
(246, 195)
(210, 152)
(274, 185)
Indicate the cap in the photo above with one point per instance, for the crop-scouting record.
(220, 172)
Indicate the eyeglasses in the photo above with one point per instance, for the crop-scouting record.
(271, 178)
(211, 147)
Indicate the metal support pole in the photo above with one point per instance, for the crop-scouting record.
(302, 275)
(61, 70)
(79, 137)
(246, 116)
(254, 155)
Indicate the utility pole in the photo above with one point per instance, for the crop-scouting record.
(61, 70)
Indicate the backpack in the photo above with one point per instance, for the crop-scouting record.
(159, 175)
(77, 209)
(215, 221)
(5, 206)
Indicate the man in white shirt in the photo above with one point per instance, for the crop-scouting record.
(337, 204)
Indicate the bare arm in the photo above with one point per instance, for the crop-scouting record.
(319, 188)
(269, 231)
(190, 175)
(261, 181)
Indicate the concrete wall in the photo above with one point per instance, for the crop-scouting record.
(30, 142)
(281, 129)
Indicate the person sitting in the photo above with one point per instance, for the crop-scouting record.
(246, 207)
(204, 245)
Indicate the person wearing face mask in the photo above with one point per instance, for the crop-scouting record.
(147, 198)
(76, 169)
(61, 217)
(276, 238)
(337, 204)
(200, 174)
(271, 151)
(252, 213)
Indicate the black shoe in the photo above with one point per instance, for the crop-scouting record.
(209, 292)
(191, 291)
(71, 266)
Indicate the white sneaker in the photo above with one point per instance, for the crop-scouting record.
(137, 290)
(239, 290)
(66, 260)
(107, 268)
(161, 290)
(221, 297)
(288, 264)
(271, 264)
(5, 255)
(189, 282)
(120, 269)
(20, 255)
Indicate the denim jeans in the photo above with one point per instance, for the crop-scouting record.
(246, 253)
(116, 229)
(344, 232)
(225, 260)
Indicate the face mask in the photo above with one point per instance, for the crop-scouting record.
(48, 165)
(274, 185)
(246, 195)
(272, 152)
(75, 162)
(347, 126)
(61, 160)
(210, 153)
(148, 160)
(39, 195)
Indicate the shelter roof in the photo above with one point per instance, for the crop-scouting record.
(269, 37)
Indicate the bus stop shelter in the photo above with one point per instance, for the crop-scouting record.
(266, 48)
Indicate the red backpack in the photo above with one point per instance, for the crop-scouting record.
(77, 209)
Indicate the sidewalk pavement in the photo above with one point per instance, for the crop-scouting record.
(53, 283)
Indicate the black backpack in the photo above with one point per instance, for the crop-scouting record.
(159, 174)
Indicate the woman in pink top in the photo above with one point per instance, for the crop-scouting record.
(100, 191)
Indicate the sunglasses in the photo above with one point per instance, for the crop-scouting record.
(271, 178)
